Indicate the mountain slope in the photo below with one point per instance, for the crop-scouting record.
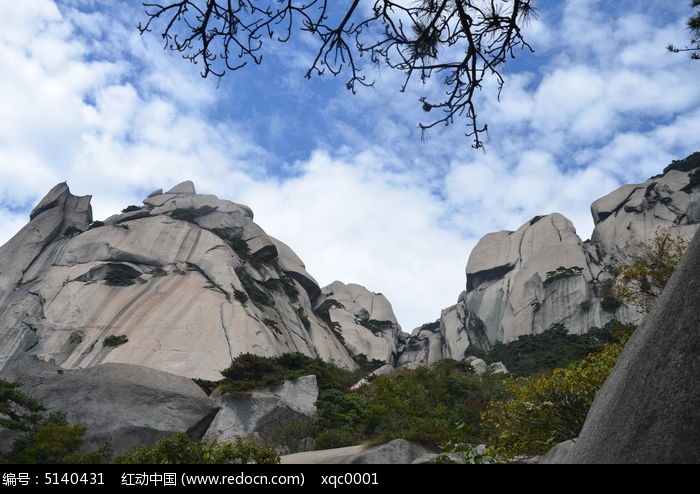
(543, 274)
(186, 281)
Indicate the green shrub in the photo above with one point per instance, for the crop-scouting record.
(158, 272)
(248, 371)
(543, 411)
(560, 273)
(17, 410)
(376, 326)
(96, 224)
(432, 405)
(131, 209)
(290, 287)
(240, 295)
(71, 231)
(53, 441)
(179, 449)
(555, 347)
(120, 275)
(115, 340)
(191, 214)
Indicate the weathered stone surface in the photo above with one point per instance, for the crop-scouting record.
(186, 187)
(541, 275)
(263, 412)
(396, 452)
(192, 295)
(125, 405)
(559, 453)
(647, 411)
(383, 370)
(365, 320)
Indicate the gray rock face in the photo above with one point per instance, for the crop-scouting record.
(647, 411)
(189, 279)
(396, 452)
(541, 275)
(363, 320)
(263, 412)
(126, 405)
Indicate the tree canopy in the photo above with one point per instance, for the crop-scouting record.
(461, 42)
(694, 26)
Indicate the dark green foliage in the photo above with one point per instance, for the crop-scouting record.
(694, 181)
(612, 332)
(96, 224)
(240, 295)
(560, 273)
(17, 410)
(609, 302)
(53, 441)
(432, 405)
(121, 275)
(685, 165)
(71, 231)
(240, 247)
(304, 318)
(531, 354)
(248, 371)
(376, 326)
(256, 295)
(367, 365)
(191, 214)
(290, 287)
(115, 340)
(131, 209)
(158, 272)
(341, 418)
(323, 312)
(179, 449)
(431, 326)
(207, 386)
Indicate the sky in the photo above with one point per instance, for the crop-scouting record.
(345, 179)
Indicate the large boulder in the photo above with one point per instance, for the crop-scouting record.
(126, 405)
(647, 411)
(396, 452)
(264, 413)
(364, 320)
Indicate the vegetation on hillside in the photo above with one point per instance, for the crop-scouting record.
(532, 354)
(180, 449)
(639, 281)
(543, 411)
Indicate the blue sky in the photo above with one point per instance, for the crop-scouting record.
(344, 179)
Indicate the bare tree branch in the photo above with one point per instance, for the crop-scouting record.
(461, 41)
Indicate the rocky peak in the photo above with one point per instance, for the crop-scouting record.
(182, 284)
(542, 275)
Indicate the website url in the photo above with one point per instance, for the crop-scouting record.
(242, 479)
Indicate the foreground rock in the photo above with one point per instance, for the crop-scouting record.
(396, 452)
(266, 414)
(647, 411)
(125, 405)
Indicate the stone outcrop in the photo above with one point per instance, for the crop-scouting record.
(396, 452)
(126, 405)
(543, 275)
(264, 413)
(363, 320)
(647, 411)
(186, 282)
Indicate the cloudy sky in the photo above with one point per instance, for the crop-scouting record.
(344, 180)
